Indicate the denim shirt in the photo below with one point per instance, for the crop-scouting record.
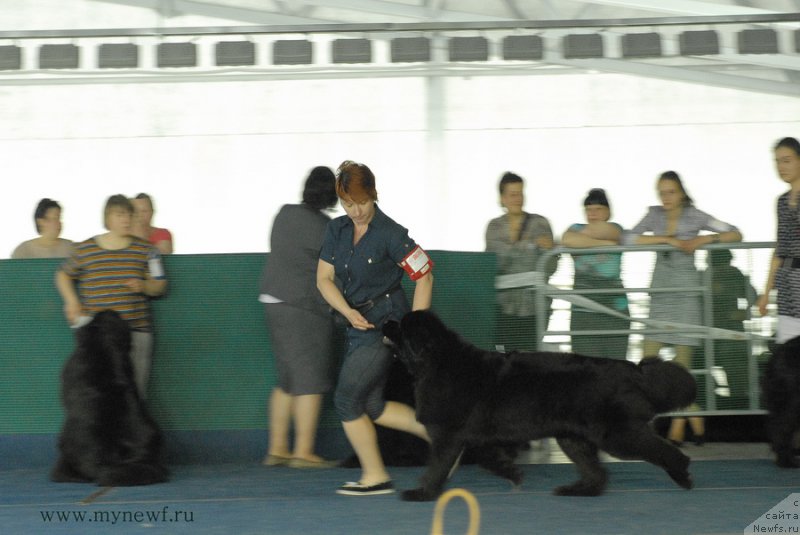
(369, 268)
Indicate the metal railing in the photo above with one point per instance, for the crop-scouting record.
(755, 335)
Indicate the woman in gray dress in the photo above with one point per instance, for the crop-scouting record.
(678, 223)
(300, 325)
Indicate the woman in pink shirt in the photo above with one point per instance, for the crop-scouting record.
(142, 224)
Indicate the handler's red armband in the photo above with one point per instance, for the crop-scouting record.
(416, 263)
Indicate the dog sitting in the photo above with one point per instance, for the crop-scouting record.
(108, 436)
(781, 389)
(467, 396)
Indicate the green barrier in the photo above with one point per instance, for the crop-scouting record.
(213, 364)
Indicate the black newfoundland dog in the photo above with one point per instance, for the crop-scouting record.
(467, 396)
(108, 436)
(781, 388)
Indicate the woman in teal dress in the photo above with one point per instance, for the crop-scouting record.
(594, 271)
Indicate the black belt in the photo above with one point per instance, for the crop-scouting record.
(790, 262)
(366, 306)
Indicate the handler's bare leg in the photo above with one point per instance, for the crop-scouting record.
(361, 434)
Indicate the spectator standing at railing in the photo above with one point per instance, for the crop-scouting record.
(731, 295)
(676, 222)
(518, 239)
(142, 225)
(595, 271)
(49, 244)
(784, 273)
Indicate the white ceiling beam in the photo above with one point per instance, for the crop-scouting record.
(557, 66)
(685, 7)
(218, 11)
(695, 76)
(267, 17)
(419, 12)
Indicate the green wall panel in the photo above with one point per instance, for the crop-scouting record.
(213, 366)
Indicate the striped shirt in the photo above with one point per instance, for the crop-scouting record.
(100, 275)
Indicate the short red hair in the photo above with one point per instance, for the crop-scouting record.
(356, 181)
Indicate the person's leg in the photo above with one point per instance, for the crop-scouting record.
(650, 348)
(402, 417)
(677, 430)
(362, 437)
(677, 426)
(360, 385)
(280, 407)
(683, 357)
(141, 360)
(305, 415)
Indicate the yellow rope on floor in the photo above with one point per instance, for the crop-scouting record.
(472, 503)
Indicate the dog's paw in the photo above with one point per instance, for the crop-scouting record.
(515, 478)
(682, 477)
(579, 488)
(418, 495)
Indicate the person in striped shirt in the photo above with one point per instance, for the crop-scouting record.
(116, 271)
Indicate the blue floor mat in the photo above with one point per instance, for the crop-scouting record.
(252, 499)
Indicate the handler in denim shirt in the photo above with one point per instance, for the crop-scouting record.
(366, 252)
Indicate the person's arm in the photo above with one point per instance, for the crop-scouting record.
(636, 235)
(598, 234)
(763, 299)
(149, 287)
(690, 246)
(164, 242)
(658, 240)
(72, 303)
(330, 292)
(154, 287)
(723, 233)
(423, 292)
(154, 282)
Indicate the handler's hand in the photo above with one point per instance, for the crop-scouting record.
(73, 311)
(358, 321)
(137, 285)
(763, 301)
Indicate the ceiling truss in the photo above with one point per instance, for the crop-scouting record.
(775, 73)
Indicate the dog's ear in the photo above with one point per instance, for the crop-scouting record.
(391, 330)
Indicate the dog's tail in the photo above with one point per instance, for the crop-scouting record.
(669, 386)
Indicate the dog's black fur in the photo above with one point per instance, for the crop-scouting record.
(468, 396)
(781, 389)
(108, 435)
(399, 448)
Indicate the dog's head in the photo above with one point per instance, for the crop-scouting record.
(414, 338)
(108, 329)
(106, 342)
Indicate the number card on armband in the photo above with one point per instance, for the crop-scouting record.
(156, 268)
(416, 263)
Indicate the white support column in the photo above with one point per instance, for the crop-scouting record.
(435, 122)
